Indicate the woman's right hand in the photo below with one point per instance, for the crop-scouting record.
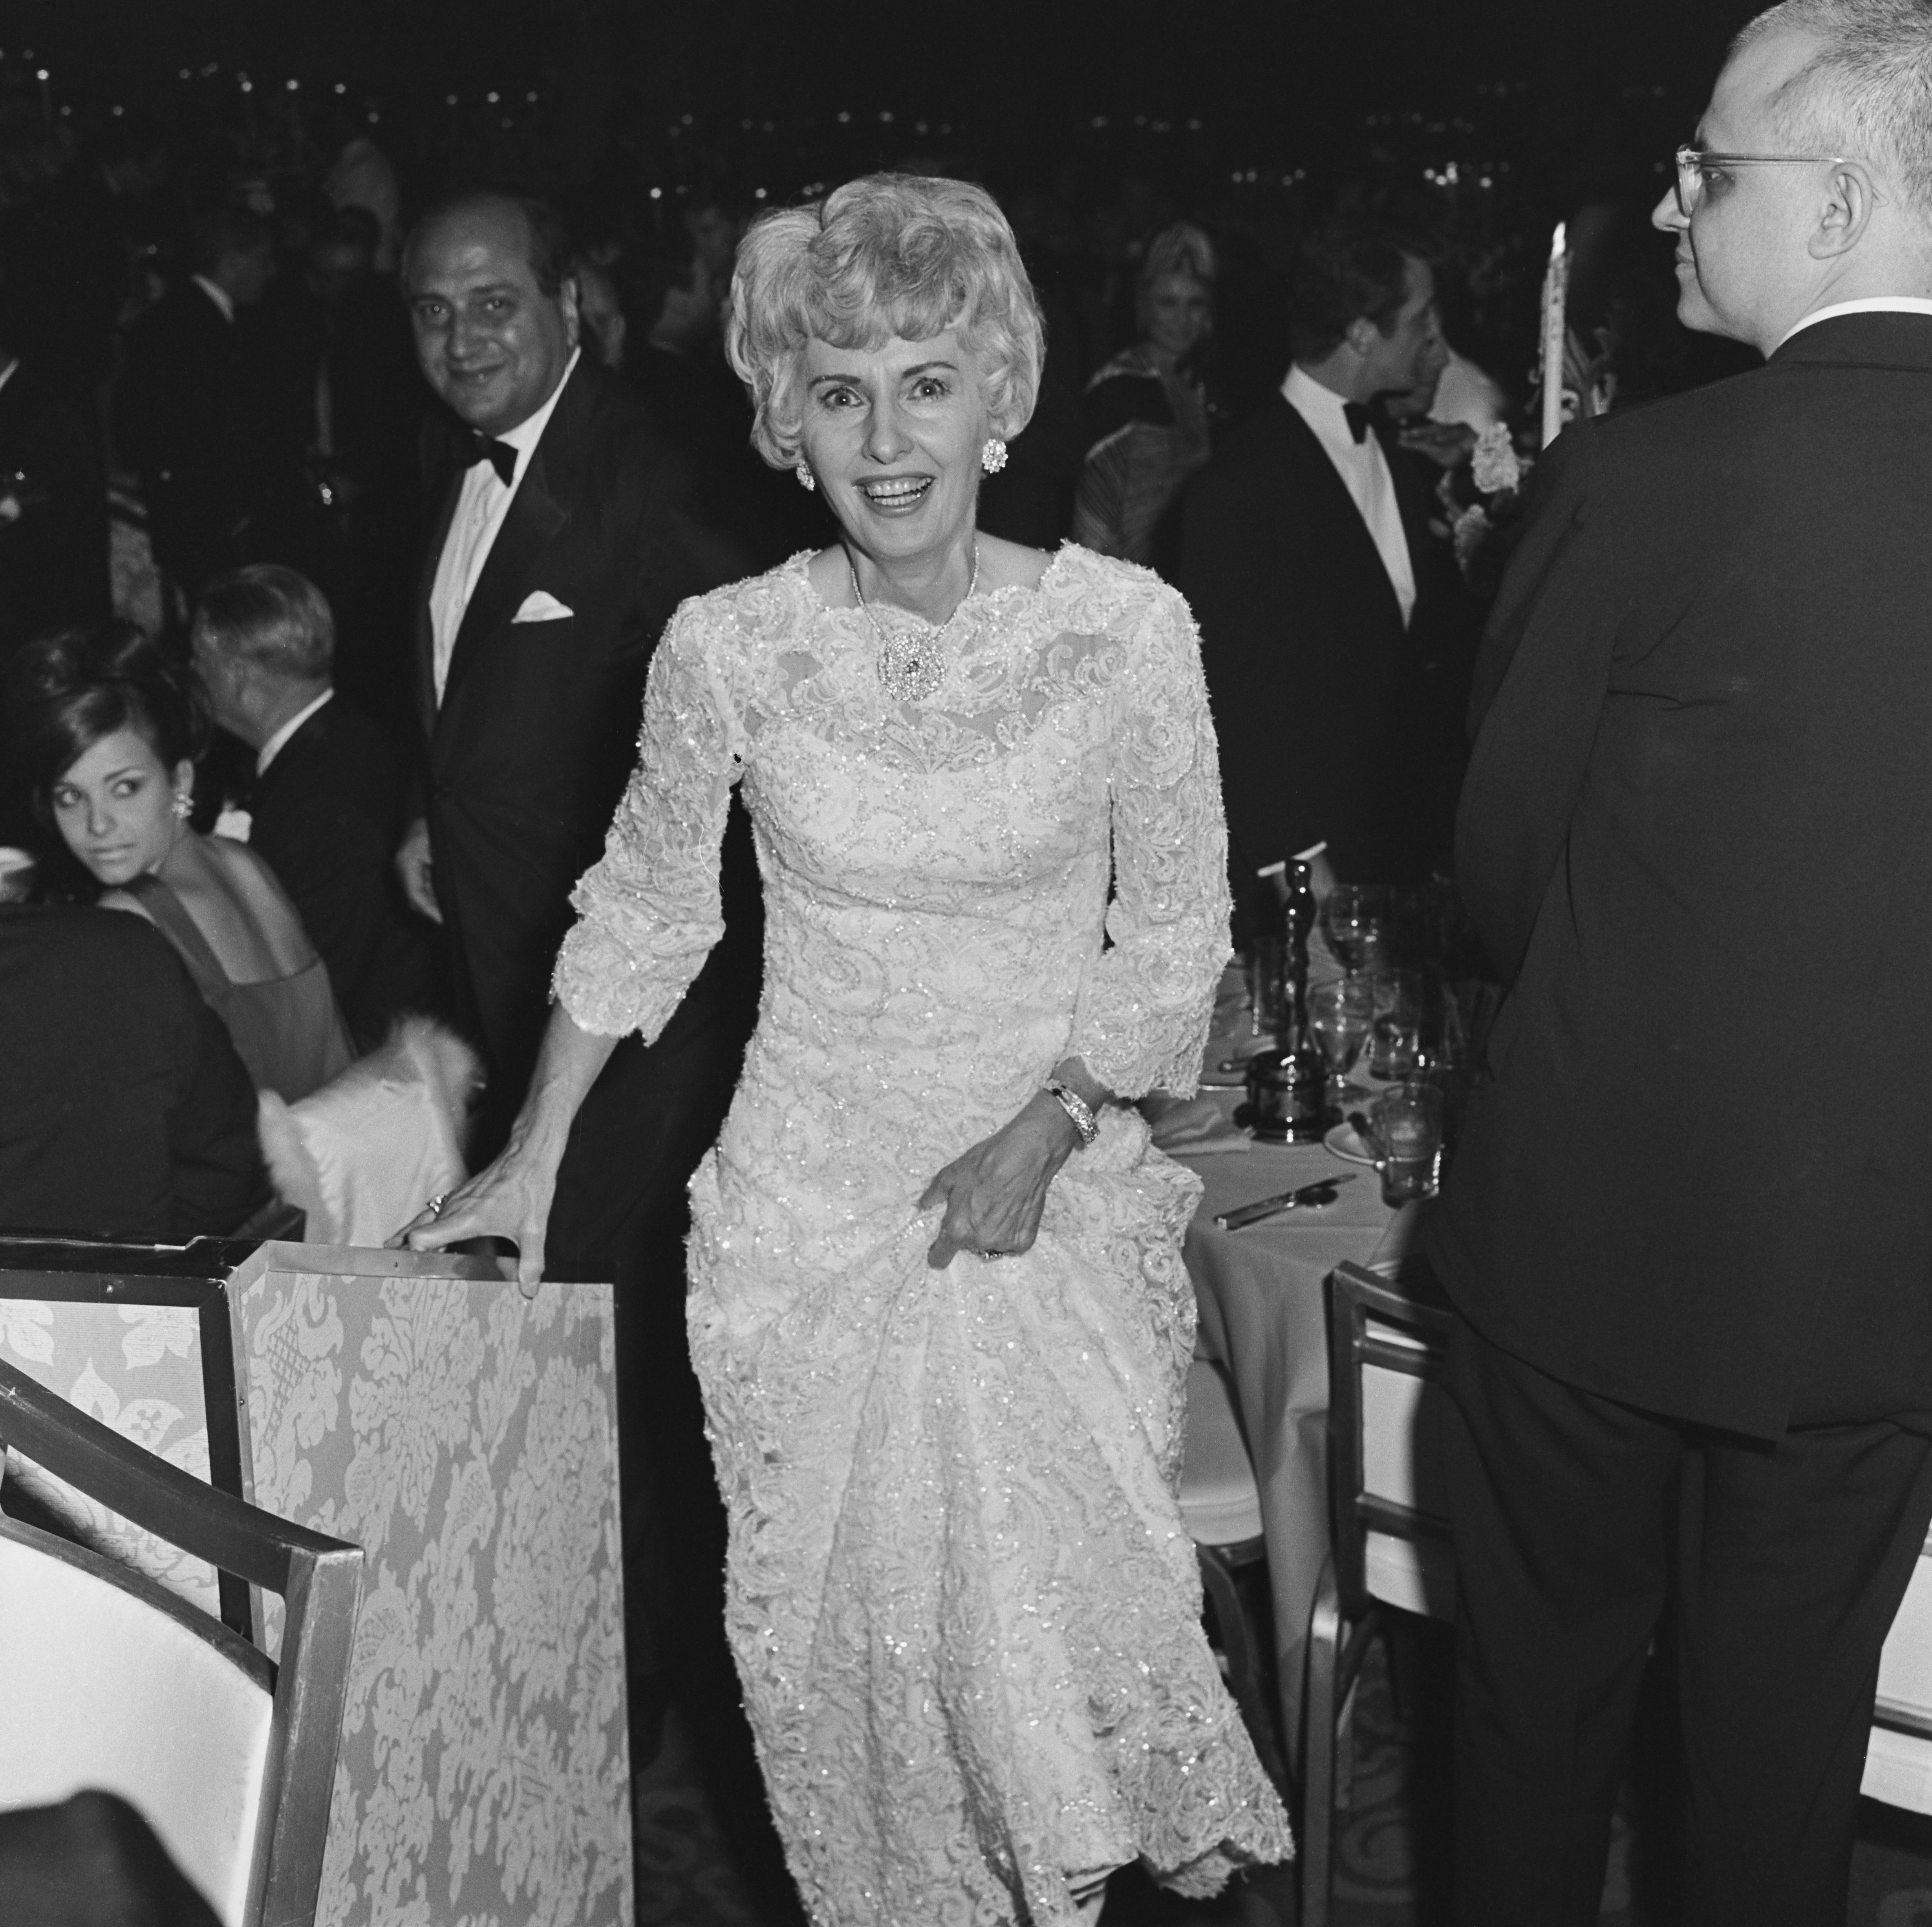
(509, 1199)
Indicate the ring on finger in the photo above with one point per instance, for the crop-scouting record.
(435, 1204)
(990, 1256)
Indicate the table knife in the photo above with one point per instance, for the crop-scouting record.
(1286, 1201)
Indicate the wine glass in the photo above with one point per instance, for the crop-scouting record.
(1355, 921)
(1339, 1016)
(1395, 1026)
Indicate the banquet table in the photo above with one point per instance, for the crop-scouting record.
(1260, 1292)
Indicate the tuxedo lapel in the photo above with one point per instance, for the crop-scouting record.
(535, 516)
(1418, 506)
(539, 510)
(425, 627)
(1312, 481)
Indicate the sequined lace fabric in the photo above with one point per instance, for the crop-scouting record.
(965, 1609)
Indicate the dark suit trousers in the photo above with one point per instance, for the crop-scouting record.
(619, 1213)
(1572, 1515)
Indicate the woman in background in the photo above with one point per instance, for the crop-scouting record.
(1147, 410)
(107, 732)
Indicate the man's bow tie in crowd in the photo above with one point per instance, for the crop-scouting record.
(477, 447)
(1353, 412)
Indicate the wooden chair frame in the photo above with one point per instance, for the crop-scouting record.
(1345, 1616)
(319, 1578)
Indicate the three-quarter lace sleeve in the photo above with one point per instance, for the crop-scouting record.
(1144, 1011)
(648, 911)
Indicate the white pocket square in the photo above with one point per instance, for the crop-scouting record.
(540, 605)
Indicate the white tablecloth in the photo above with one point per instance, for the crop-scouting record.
(1260, 1292)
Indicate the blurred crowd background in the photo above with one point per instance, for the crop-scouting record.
(139, 147)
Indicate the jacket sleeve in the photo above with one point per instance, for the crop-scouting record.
(1142, 1017)
(1538, 695)
(648, 911)
(1248, 636)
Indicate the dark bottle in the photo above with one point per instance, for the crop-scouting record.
(1287, 1086)
(1268, 962)
(1298, 921)
(1287, 1095)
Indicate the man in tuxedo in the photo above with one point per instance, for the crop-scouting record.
(558, 555)
(1688, 1232)
(324, 809)
(1307, 559)
(188, 413)
(559, 552)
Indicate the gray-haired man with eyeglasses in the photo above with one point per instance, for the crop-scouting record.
(1689, 1230)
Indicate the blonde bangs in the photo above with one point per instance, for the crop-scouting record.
(908, 256)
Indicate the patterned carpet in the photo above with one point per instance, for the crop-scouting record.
(1391, 1864)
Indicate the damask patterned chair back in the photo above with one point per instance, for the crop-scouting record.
(109, 1680)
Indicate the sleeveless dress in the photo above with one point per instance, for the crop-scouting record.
(965, 1612)
(287, 1030)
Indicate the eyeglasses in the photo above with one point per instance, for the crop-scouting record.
(1695, 164)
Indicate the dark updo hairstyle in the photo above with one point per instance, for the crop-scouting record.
(67, 691)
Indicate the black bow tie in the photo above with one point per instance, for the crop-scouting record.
(477, 447)
(1353, 412)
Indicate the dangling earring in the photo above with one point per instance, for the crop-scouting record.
(806, 480)
(993, 456)
(183, 805)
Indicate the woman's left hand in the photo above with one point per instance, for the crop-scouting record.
(994, 1193)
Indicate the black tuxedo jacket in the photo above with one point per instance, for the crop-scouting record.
(53, 560)
(1322, 699)
(530, 748)
(327, 813)
(124, 1111)
(1696, 834)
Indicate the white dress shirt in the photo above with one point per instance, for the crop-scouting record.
(1871, 305)
(481, 506)
(273, 748)
(1364, 470)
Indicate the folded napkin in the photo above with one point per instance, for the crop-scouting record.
(1191, 1127)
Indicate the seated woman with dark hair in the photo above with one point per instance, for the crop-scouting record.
(106, 731)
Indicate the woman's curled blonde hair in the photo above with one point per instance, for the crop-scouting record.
(909, 255)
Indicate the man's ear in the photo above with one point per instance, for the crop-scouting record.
(573, 321)
(1360, 334)
(1846, 213)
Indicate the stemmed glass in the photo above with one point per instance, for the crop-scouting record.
(1355, 921)
(1340, 1015)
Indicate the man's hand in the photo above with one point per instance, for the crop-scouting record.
(414, 868)
(1448, 443)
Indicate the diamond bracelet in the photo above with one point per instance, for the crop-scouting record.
(1076, 1108)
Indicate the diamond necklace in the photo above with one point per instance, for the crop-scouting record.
(912, 663)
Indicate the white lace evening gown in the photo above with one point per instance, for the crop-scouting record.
(965, 1609)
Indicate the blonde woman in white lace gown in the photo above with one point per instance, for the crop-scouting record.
(965, 1611)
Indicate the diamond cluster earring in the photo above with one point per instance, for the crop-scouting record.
(806, 480)
(993, 456)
